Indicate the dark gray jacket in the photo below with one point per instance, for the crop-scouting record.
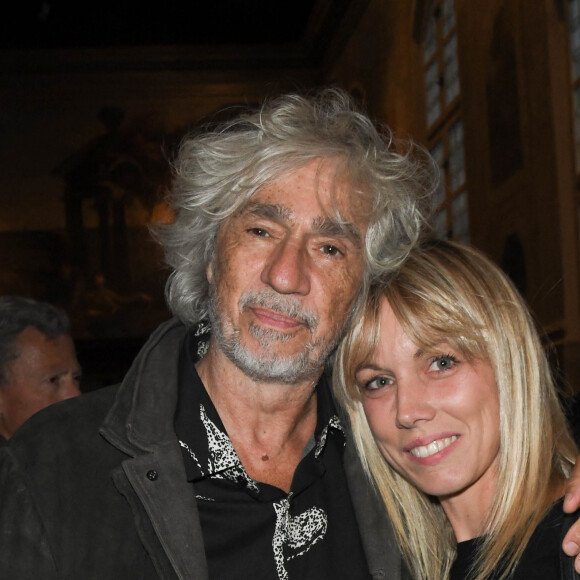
(95, 487)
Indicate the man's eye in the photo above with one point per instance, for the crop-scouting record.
(331, 250)
(260, 232)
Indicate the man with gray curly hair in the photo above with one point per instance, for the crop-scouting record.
(221, 455)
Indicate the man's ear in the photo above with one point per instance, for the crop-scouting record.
(209, 271)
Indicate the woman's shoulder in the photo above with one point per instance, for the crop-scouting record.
(543, 557)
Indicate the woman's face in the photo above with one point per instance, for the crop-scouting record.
(434, 415)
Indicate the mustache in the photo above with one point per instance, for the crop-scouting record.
(282, 305)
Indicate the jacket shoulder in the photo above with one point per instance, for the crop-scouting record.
(82, 414)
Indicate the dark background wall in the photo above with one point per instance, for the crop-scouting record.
(92, 104)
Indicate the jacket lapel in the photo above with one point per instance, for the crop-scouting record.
(153, 478)
(159, 481)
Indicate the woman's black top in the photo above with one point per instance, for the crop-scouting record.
(541, 559)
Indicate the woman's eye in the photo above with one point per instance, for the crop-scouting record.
(378, 383)
(443, 363)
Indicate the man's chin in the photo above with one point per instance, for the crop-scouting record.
(268, 338)
(274, 365)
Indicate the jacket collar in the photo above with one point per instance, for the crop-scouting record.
(142, 414)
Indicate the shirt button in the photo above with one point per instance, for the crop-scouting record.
(152, 475)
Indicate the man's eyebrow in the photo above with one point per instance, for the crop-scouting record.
(329, 227)
(271, 211)
(320, 225)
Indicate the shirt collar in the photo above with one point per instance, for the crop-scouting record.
(206, 446)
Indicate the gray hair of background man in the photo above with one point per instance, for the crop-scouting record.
(16, 314)
(217, 171)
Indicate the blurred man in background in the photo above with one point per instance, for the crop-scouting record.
(38, 363)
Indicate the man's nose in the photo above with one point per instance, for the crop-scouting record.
(287, 270)
(70, 388)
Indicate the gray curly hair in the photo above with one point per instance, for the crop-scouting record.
(216, 172)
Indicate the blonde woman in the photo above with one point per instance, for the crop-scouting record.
(457, 420)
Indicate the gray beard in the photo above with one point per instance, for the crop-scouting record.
(272, 367)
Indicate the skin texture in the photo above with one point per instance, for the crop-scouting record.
(284, 280)
(44, 372)
(413, 398)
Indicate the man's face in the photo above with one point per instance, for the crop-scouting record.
(285, 275)
(45, 371)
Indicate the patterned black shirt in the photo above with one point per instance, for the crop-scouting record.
(255, 530)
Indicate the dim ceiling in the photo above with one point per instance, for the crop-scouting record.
(183, 33)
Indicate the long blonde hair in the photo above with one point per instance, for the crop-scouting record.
(446, 292)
